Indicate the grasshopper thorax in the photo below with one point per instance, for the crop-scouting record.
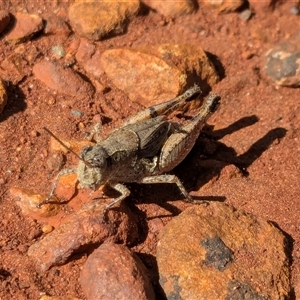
(93, 168)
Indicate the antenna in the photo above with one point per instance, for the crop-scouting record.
(64, 145)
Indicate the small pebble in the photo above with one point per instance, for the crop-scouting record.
(47, 228)
(58, 50)
(245, 15)
(294, 10)
(77, 113)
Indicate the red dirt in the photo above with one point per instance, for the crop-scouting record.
(256, 127)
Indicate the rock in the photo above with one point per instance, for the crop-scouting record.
(63, 80)
(283, 62)
(14, 68)
(65, 297)
(172, 8)
(225, 6)
(56, 25)
(88, 56)
(74, 145)
(189, 59)
(95, 20)
(144, 78)
(3, 96)
(4, 19)
(82, 229)
(25, 27)
(158, 73)
(27, 200)
(262, 6)
(218, 252)
(114, 272)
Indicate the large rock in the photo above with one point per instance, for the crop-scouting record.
(158, 73)
(218, 252)
(114, 272)
(95, 20)
(172, 8)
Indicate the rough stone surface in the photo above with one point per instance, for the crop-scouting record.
(144, 78)
(262, 6)
(225, 6)
(4, 19)
(28, 200)
(94, 20)
(3, 96)
(61, 79)
(26, 25)
(218, 252)
(114, 272)
(283, 62)
(88, 56)
(56, 25)
(172, 8)
(82, 229)
(189, 59)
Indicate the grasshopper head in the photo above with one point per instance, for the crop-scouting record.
(92, 170)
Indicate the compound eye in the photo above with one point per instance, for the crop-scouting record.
(99, 161)
(85, 150)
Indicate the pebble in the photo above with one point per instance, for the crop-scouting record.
(113, 272)
(63, 80)
(282, 62)
(219, 252)
(59, 51)
(225, 6)
(56, 25)
(25, 27)
(84, 228)
(47, 228)
(3, 96)
(27, 200)
(4, 19)
(88, 56)
(245, 15)
(95, 20)
(172, 8)
(65, 297)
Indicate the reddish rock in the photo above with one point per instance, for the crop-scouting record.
(28, 200)
(4, 19)
(172, 8)
(158, 73)
(25, 27)
(84, 228)
(218, 252)
(189, 59)
(95, 20)
(225, 6)
(56, 25)
(114, 272)
(65, 297)
(262, 6)
(88, 56)
(143, 77)
(63, 80)
(3, 96)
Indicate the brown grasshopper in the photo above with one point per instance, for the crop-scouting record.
(142, 150)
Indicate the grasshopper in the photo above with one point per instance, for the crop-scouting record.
(142, 150)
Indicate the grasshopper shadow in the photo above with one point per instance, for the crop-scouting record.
(205, 162)
(15, 101)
